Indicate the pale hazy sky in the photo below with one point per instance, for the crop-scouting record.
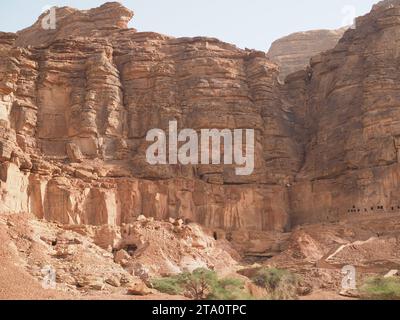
(246, 23)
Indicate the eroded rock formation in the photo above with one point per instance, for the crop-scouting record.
(350, 115)
(75, 111)
(76, 103)
(293, 52)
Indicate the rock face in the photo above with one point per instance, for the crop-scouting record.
(350, 114)
(70, 23)
(106, 260)
(76, 104)
(293, 52)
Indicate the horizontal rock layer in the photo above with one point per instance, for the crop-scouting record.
(350, 114)
(74, 113)
(293, 52)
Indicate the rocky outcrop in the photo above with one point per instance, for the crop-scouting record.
(66, 22)
(349, 107)
(76, 104)
(293, 52)
(74, 115)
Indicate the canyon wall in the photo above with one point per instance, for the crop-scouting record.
(293, 52)
(350, 114)
(78, 101)
(76, 104)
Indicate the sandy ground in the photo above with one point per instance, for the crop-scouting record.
(315, 252)
(17, 284)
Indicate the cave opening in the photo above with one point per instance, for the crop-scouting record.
(131, 249)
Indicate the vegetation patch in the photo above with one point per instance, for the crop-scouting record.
(280, 284)
(379, 288)
(202, 284)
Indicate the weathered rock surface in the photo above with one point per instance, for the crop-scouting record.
(75, 112)
(150, 248)
(347, 102)
(319, 251)
(80, 268)
(76, 103)
(293, 52)
(70, 23)
(77, 263)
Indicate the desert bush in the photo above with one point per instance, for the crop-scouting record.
(168, 285)
(379, 288)
(229, 289)
(280, 284)
(202, 284)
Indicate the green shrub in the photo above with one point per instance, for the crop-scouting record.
(199, 284)
(168, 285)
(202, 284)
(229, 289)
(280, 284)
(379, 288)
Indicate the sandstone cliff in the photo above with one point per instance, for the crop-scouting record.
(348, 103)
(293, 52)
(76, 103)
